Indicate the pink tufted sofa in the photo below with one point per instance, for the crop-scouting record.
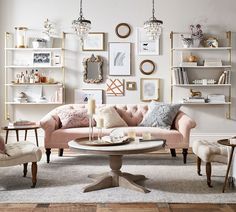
(176, 138)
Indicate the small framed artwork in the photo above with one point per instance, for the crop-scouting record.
(115, 87)
(146, 46)
(42, 58)
(149, 89)
(95, 41)
(82, 96)
(131, 86)
(119, 59)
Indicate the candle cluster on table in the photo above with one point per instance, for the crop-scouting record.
(100, 125)
(91, 112)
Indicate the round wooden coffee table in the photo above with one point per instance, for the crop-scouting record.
(115, 177)
(25, 128)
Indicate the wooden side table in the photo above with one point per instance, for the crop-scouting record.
(18, 128)
(226, 142)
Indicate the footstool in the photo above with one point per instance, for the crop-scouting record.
(19, 153)
(209, 152)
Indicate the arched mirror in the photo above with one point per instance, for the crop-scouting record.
(93, 72)
(147, 67)
(123, 30)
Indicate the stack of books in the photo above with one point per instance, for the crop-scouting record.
(216, 98)
(212, 62)
(225, 77)
(194, 100)
(180, 76)
(187, 64)
(23, 123)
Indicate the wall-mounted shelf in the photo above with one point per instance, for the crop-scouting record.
(34, 49)
(33, 84)
(34, 103)
(192, 73)
(34, 67)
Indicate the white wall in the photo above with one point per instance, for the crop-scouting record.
(177, 15)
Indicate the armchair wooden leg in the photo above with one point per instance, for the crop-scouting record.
(48, 153)
(60, 152)
(208, 173)
(34, 174)
(25, 169)
(199, 166)
(185, 153)
(173, 152)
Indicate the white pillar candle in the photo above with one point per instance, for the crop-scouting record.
(131, 134)
(91, 106)
(21, 41)
(147, 136)
(100, 122)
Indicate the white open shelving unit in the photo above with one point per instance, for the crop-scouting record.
(224, 50)
(11, 69)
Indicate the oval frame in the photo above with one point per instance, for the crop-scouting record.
(147, 61)
(123, 25)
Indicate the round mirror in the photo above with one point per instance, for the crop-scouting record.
(123, 30)
(147, 67)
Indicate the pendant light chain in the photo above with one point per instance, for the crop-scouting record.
(81, 11)
(153, 9)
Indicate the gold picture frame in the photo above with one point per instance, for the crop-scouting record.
(131, 86)
(149, 89)
(95, 41)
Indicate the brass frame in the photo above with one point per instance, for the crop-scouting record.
(134, 86)
(147, 61)
(141, 89)
(103, 42)
(117, 30)
(229, 37)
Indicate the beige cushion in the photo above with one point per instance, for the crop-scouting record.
(19, 153)
(210, 151)
(111, 117)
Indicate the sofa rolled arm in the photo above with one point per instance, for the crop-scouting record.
(49, 124)
(184, 124)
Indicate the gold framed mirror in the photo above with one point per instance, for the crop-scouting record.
(93, 71)
(123, 30)
(147, 67)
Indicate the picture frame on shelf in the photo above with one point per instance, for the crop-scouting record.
(119, 59)
(149, 89)
(95, 41)
(82, 96)
(131, 86)
(144, 45)
(42, 58)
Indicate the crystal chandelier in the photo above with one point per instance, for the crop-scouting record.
(153, 26)
(81, 26)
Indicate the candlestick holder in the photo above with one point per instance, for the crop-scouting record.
(99, 133)
(91, 127)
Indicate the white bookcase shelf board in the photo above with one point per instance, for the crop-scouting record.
(209, 74)
(34, 76)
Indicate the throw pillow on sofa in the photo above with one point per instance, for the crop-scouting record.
(72, 118)
(2, 146)
(111, 117)
(160, 115)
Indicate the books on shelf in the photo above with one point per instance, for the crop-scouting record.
(188, 64)
(212, 62)
(194, 100)
(225, 77)
(180, 76)
(216, 98)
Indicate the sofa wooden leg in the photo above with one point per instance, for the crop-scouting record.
(173, 152)
(34, 174)
(199, 166)
(60, 152)
(185, 153)
(48, 153)
(208, 173)
(25, 169)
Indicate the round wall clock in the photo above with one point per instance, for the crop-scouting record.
(123, 30)
(147, 67)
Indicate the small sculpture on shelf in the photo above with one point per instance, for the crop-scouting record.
(195, 93)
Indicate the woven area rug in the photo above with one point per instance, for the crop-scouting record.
(62, 181)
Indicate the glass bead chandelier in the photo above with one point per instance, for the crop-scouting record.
(153, 26)
(81, 25)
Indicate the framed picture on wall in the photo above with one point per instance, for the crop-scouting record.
(146, 46)
(42, 58)
(95, 41)
(149, 89)
(82, 96)
(119, 59)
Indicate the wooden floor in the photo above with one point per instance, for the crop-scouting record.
(139, 207)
